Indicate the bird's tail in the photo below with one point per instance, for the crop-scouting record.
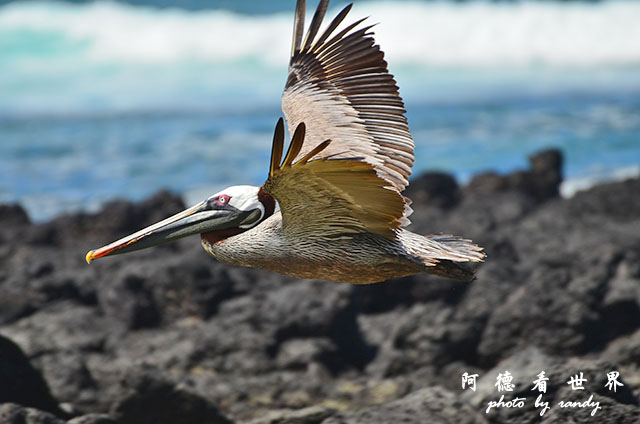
(442, 254)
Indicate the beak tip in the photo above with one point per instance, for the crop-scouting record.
(89, 256)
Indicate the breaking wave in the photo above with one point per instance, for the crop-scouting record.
(413, 33)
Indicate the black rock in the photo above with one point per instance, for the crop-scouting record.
(193, 285)
(128, 299)
(541, 182)
(310, 415)
(11, 413)
(319, 309)
(429, 405)
(93, 419)
(68, 377)
(618, 201)
(487, 183)
(13, 215)
(436, 189)
(547, 166)
(20, 383)
(170, 334)
(526, 365)
(62, 326)
(154, 401)
(14, 221)
(377, 298)
(116, 219)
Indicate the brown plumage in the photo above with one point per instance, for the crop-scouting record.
(339, 185)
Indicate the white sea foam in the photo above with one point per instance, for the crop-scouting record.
(474, 34)
(571, 186)
(574, 34)
(118, 32)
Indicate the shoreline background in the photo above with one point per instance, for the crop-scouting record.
(104, 100)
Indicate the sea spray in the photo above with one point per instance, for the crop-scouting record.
(449, 34)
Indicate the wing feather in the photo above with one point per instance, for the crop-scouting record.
(351, 152)
(331, 197)
(298, 26)
(315, 23)
(339, 86)
(277, 146)
(332, 26)
(295, 146)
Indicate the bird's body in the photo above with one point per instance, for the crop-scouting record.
(339, 185)
(364, 258)
(360, 259)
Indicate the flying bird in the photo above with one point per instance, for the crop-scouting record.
(332, 208)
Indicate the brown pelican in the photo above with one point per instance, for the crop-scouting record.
(341, 213)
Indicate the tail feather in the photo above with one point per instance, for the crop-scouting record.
(452, 270)
(457, 249)
(441, 254)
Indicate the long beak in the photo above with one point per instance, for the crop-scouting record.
(197, 219)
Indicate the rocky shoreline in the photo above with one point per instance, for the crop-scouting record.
(168, 335)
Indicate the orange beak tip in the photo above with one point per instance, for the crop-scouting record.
(89, 256)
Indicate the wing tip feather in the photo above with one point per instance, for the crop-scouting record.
(295, 146)
(316, 21)
(319, 148)
(298, 27)
(276, 147)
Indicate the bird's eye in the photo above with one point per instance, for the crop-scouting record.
(223, 200)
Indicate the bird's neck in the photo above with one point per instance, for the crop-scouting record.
(255, 247)
(215, 237)
(268, 202)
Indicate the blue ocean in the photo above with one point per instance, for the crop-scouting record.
(103, 100)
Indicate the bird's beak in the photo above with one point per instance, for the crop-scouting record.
(197, 219)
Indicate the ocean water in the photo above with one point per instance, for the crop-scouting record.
(102, 99)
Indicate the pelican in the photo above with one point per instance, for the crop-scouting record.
(333, 207)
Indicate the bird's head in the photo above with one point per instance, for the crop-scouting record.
(227, 213)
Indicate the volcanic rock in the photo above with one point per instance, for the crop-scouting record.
(170, 335)
(21, 384)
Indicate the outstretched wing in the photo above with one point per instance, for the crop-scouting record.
(339, 86)
(329, 197)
